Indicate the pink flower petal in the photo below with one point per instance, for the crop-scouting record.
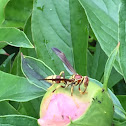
(60, 109)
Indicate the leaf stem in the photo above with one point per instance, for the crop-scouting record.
(109, 65)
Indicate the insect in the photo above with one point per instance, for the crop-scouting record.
(74, 80)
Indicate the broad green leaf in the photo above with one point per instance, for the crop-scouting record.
(22, 109)
(103, 18)
(27, 31)
(122, 99)
(30, 108)
(14, 37)
(2, 58)
(16, 67)
(91, 33)
(17, 13)
(17, 88)
(15, 104)
(6, 65)
(114, 78)
(7, 109)
(109, 65)
(2, 45)
(2, 51)
(53, 26)
(79, 36)
(2, 7)
(120, 88)
(98, 63)
(89, 63)
(122, 36)
(36, 70)
(17, 120)
(117, 123)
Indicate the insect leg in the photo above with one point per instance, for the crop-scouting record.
(62, 74)
(84, 91)
(80, 85)
(51, 86)
(86, 81)
(72, 87)
(67, 84)
(57, 88)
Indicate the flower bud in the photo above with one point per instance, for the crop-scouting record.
(59, 108)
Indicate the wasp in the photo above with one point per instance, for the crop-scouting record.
(74, 80)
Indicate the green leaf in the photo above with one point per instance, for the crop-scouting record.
(28, 32)
(36, 70)
(89, 63)
(17, 13)
(14, 37)
(91, 33)
(58, 27)
(117, 123)
(109, 65)
(15, 104)
(120, 88)
(7, 109)
(2, 7)
(103, 18)
(2, 51)
(17, 88)
(27, 29)
(122, 99)
(16, 67)
(98, 63)
(17, 120)
(79, 36)
(30, 108)
(122, 36)
(6, 65)
(2, 45)
(114, 78)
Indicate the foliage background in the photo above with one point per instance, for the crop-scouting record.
(86, 31)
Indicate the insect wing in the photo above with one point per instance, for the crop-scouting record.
(71, 73)
(62, 56)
